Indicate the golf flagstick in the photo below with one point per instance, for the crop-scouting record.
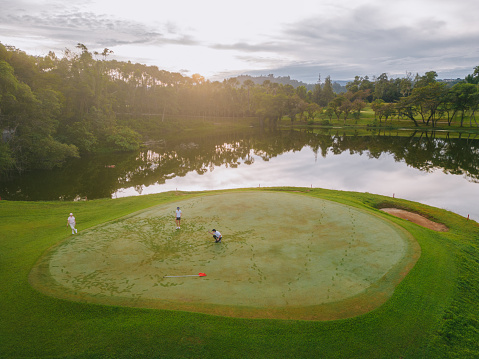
(181, 276)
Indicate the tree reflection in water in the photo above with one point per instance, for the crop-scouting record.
(104, 176)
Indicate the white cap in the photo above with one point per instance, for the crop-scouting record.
(71, 214)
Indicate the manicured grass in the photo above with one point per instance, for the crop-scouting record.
(319, 262)
(432, 314)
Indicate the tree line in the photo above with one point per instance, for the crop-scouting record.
(53, 109)
(427, 101)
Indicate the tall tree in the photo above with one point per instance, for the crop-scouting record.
(474, 77)
(428, 99)
(427, 79)
(386, 89)
(407, 107)
(327, 93)
(464, 97)
(317, 91)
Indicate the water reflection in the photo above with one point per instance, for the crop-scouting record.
(441, 171)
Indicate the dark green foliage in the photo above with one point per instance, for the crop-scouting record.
(474, 77)
(124, 139)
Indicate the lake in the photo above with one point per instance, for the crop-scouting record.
(440, 169)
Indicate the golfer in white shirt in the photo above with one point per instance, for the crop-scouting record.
(178, 217)
(72, 223)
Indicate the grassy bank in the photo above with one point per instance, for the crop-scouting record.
(433, 313)
(368, 120)
(156, 127)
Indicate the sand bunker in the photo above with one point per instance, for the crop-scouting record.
(416, 218)
(283, 256)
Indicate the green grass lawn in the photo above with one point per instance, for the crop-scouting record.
(368, 119)
(432, 314)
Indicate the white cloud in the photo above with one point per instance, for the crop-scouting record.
(217, 38)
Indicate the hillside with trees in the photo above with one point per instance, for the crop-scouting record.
(53, 109)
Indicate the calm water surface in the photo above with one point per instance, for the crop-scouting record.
(442, 172)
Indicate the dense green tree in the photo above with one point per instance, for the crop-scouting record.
(405, 85)
(388, 110)
(358, 105)
(302, 92)
(464, 97)
(317, 94)
(377, 106)
(407, 107)
(353, 86)
(428, 99)
(327, 92)
(329, 111)
(427, 79)
(31, 119)
(386, 89)
(336, 106)
(248, 84)
(312, 109)
(474, 77)
(346, 108)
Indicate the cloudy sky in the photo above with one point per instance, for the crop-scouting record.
(220, 39)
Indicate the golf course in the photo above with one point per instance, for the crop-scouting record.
(299, 273)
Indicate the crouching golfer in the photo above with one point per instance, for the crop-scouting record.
(216, 235)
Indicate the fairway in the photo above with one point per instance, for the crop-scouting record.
(283, 255)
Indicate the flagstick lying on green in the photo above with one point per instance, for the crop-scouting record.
(190, 275)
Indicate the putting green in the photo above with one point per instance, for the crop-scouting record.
(284, 255)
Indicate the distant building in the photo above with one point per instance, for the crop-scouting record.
(451, 82)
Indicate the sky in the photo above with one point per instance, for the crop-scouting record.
(218, 39)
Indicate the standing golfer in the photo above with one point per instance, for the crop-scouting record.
(178, 217)
(72, 223)
(216, 235)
